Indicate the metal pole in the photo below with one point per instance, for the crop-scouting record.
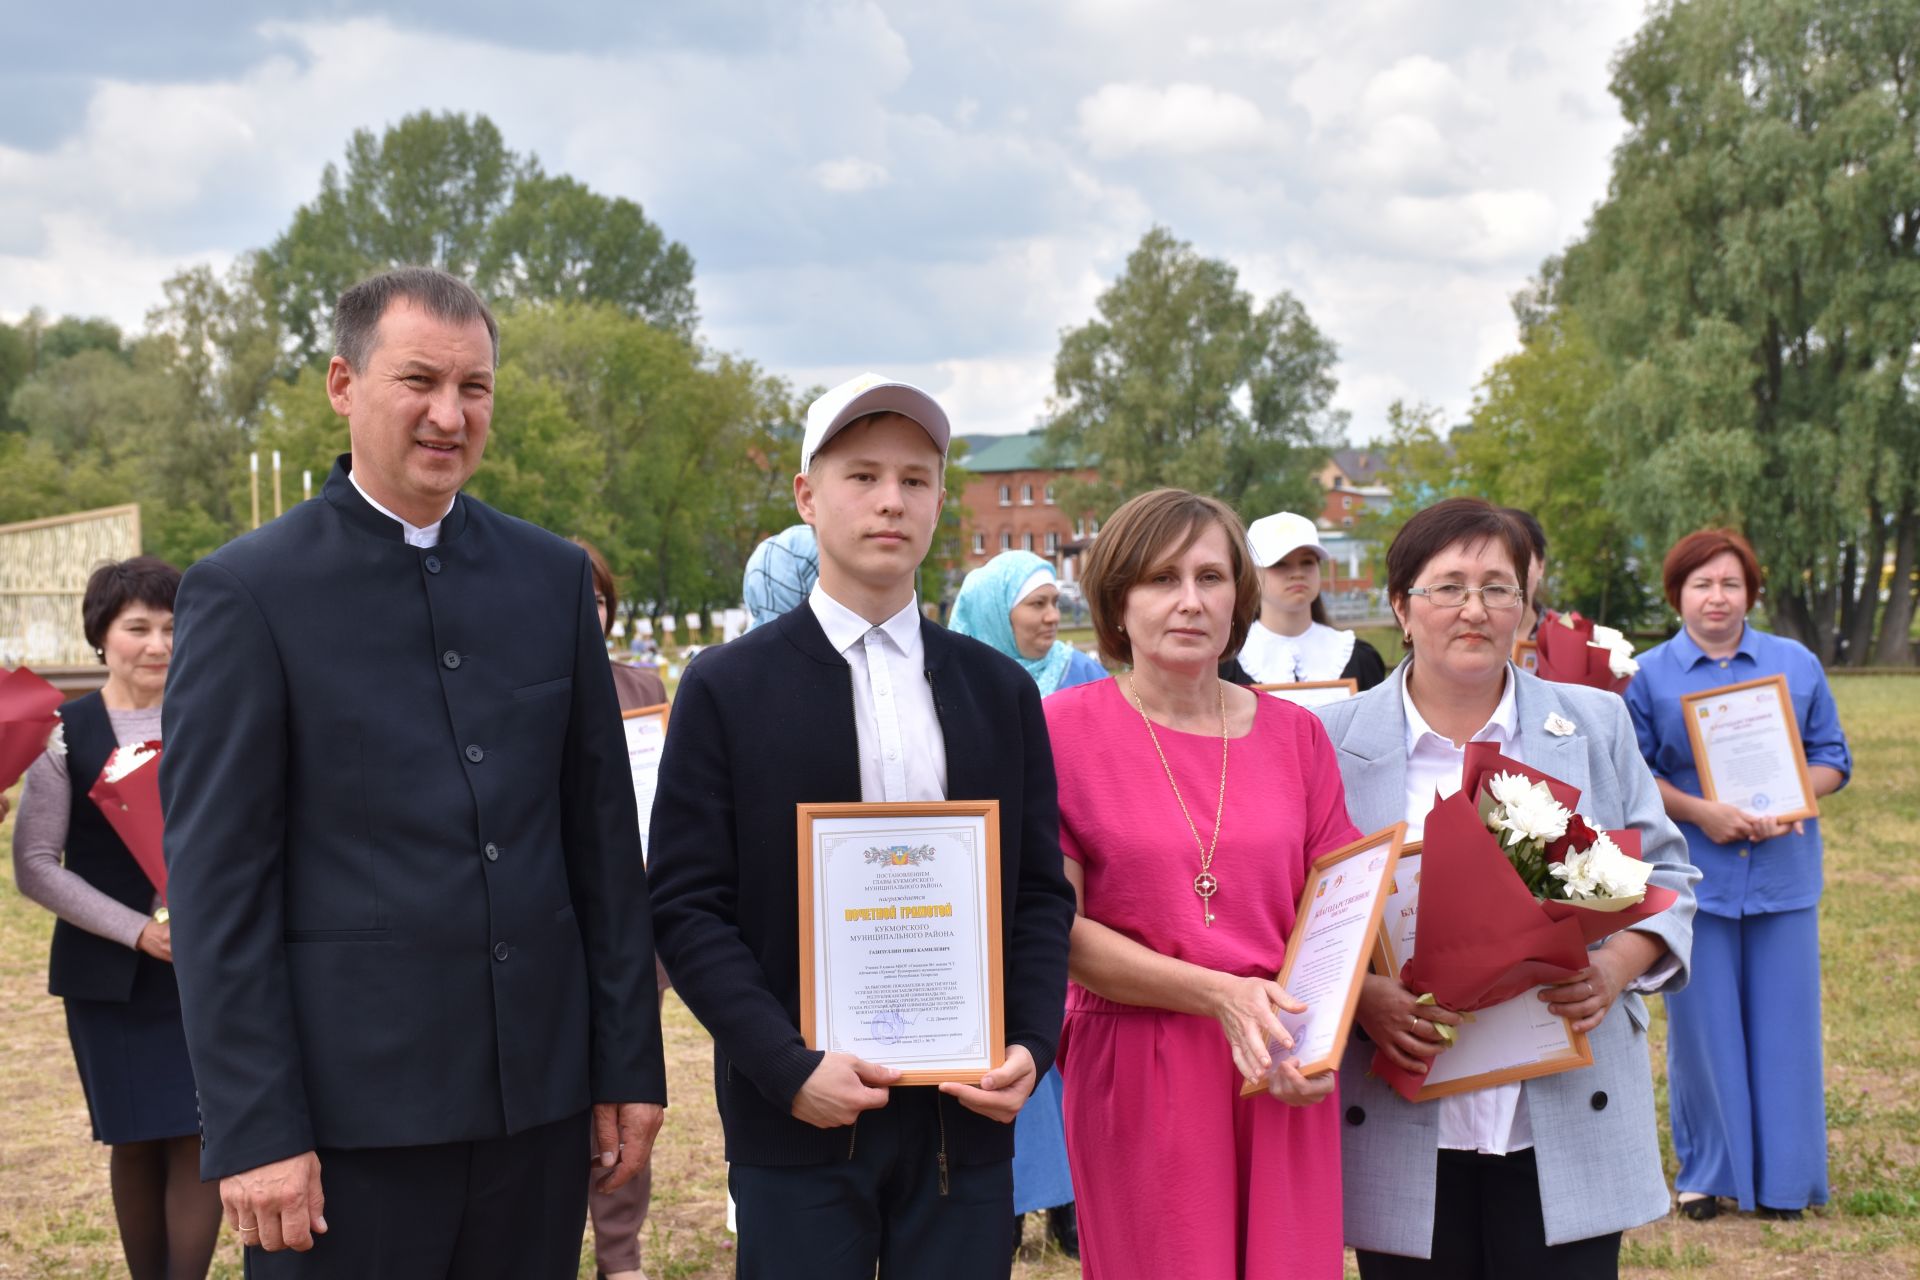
(306, 483)
(276, 482)
(254, 484)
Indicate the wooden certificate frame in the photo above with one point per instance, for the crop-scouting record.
(1309, 687)
(846, 854)
(1385, 962)
(1311, 899)
(1692, 712)
(1526, 655)
(645, 811)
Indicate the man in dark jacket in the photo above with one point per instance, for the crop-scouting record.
(409, 911)
(853, 696)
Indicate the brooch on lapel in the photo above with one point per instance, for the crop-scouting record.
(1559, 726)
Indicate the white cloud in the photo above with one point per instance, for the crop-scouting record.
(1480, 226)
(1181, 119)
(850, 173)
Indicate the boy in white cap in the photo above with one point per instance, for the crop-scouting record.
(855, 697)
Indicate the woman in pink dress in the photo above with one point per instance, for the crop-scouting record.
(1190, 810)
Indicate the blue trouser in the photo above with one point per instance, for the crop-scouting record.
(1744, 1062)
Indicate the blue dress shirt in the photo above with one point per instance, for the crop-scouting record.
(1739, 879)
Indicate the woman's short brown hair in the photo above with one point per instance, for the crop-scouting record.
(1447, 523)
(602, 579)
(146, 580)
(1696, 549)
(1143, 535)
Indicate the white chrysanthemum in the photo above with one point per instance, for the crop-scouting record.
(1619, 876)
(1511, 788)
(57, 741)
(1537, 816)
(124, 761)
(1619, 651)
(1577, 872)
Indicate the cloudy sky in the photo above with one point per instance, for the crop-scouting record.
(929, 189)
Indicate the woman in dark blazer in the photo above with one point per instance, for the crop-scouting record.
(112, 950)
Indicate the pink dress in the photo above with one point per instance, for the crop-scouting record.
(1174, 1173)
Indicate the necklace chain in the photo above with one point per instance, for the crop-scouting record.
(1205, 884)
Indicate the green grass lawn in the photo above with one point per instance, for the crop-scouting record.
(56, 1219)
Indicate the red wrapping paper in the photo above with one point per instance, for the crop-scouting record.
(1481, 937)
(132, 808)
(1566, 657)
(29, 713)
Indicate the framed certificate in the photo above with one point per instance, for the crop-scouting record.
(1311, 693)
(1332, 939)
(646, 729)
(900, 959)
(1394, 943)
(1526, 655)
(1746, 746)
(1514, 1040)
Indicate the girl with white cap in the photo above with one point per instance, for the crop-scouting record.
(1291, 640)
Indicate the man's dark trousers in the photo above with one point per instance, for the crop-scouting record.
(894, 1201)
(510, 1208)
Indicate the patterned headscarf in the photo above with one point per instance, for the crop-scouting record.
(984, 609)
(780, 574)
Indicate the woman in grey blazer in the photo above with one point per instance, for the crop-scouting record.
(1538, 1177)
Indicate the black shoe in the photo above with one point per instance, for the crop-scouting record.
(1705, 1209)
(1778, 1215)
(1064, 1226)
(1019, 1229)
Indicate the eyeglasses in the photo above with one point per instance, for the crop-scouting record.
(1453, 595)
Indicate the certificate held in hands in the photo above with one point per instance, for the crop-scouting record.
(1334, 934)
(1747, 749)
(900, 958)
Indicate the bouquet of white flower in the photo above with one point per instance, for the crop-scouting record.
(1533, 828)
(29, 723)
(1576, 650)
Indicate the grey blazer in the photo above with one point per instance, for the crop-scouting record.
(1595, 1133)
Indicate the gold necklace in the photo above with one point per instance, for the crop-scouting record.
(1204, 884)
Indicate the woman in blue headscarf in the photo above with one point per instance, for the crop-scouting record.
(780, 573)
(1013, 604)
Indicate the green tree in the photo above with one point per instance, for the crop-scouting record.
(1532, 442)
(560, 241)
(445, 190)
(1183, 380)
(1753, 283)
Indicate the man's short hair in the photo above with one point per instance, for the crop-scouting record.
(357, 315)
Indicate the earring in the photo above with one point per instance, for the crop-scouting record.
(100, 654)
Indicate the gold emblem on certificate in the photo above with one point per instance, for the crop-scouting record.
(900, 960)
(1746, 746)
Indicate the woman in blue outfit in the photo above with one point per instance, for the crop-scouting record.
(1012, 603)
(1743, 1040)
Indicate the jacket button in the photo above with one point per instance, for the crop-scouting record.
(1356, 1115)
(500, 951)
(452, 660)
(1600, 1101)
(493, 852)
(474, 753)
(432, 563)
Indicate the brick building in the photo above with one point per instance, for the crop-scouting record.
(1013, 504)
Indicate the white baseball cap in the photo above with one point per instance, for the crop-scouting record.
(865, 394)
(1273, 538)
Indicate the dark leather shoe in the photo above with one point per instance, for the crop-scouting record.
(1019, 1229)
(1064, 1226)
(1702, 1210)
(1778, 1215)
